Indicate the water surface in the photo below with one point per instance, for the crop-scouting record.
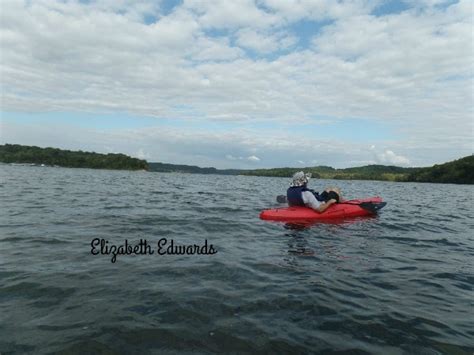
(396, 284)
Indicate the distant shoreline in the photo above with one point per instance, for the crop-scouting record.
(199, 173)
(459, 171)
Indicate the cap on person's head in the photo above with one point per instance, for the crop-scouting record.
(300, 179)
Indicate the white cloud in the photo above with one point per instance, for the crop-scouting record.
(199, 147)
(388, 157)
(215, 50)
(390, 68)
(230, 14)
(264, 42)
(253, 158)
(293, 10)
(412, 70)
(140, 154)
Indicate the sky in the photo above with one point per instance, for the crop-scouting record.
(241, 83)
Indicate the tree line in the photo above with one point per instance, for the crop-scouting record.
(15, 153)
(459, 171)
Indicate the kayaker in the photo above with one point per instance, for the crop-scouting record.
(298, 194)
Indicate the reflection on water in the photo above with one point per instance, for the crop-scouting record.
(298, 245)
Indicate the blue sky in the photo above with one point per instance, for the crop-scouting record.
(241, 84)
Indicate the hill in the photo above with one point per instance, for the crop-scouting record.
(459, 171)
(15, 153)
(369, 172)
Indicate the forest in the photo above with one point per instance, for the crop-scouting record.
(22, 154)
(459, 171)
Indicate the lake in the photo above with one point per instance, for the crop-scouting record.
(399, 283)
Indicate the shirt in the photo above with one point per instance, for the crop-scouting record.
(309, 200)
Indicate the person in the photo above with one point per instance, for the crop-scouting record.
(298, 194)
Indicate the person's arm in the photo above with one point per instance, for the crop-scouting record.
(322, 207)
(312, 202)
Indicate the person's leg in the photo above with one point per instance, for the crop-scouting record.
(336, 190)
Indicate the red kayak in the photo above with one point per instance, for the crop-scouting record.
(351, 208)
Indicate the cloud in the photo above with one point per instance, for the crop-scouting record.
(242, 62)
(140, 154)
(223, 149)
(200, 147)
(391, 67)
(251, 158)
(389, 157)
(215, 49)
(388, 68)
(264, 42)
(230, 14)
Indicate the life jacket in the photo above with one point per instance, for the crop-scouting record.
(294, 195)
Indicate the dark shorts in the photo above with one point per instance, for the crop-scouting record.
(329, 196)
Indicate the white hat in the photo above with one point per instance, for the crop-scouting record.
(300, 179)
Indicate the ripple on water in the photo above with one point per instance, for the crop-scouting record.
(398, 283)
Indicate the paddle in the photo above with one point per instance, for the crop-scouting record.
(368, 206)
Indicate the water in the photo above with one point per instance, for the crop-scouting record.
(400, 283)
